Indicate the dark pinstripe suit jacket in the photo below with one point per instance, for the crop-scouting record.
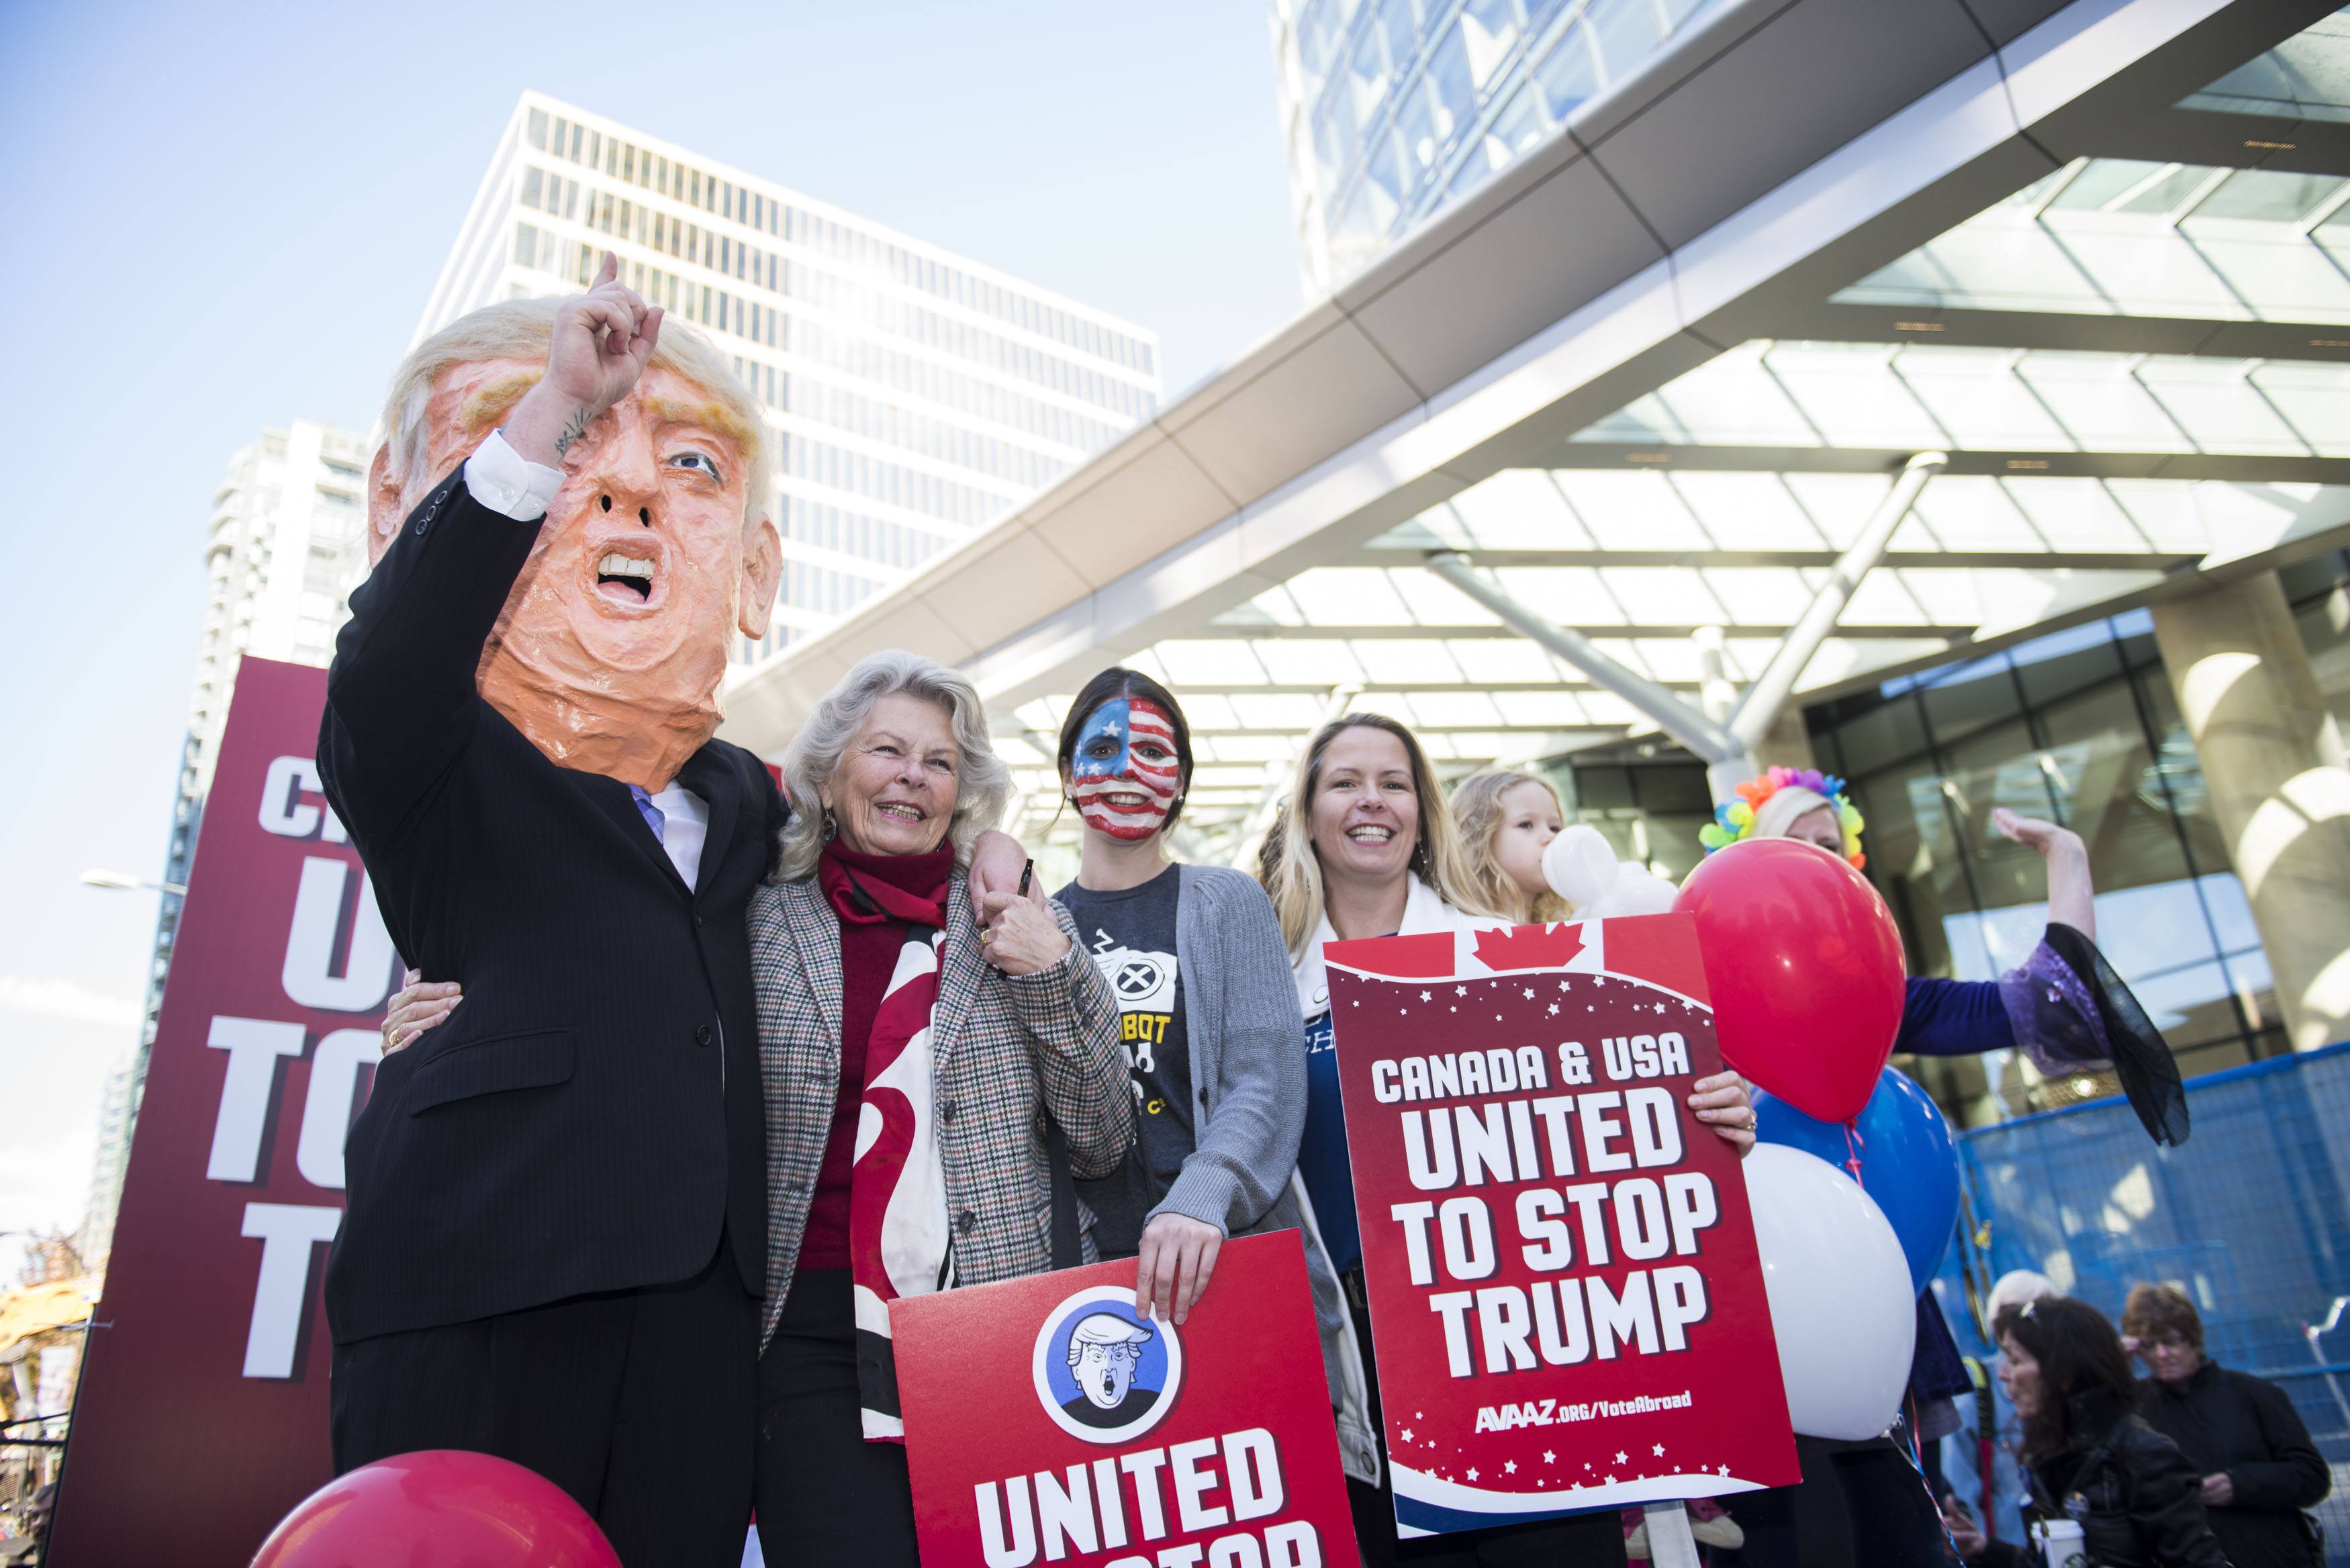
(590, 1119)
(1004, 1048)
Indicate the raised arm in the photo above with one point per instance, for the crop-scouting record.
(400, 693)
(2072, 900)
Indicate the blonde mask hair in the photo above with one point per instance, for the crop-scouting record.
(1294, 880)
(521, 329)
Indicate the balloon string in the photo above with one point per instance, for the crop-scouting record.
(1852, 1144)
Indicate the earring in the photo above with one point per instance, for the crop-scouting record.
(831, 828)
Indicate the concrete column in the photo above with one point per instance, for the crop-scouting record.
(2273, 761)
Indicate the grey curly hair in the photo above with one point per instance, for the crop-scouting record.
(983, 784)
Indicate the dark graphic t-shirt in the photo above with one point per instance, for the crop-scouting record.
(1131, 935)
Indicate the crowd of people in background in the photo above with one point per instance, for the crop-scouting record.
(2192, 1464)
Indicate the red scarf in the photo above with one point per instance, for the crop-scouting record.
(899, 1241)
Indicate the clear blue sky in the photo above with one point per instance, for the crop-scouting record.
(222, 218)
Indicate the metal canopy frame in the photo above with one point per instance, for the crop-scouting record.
(1727, 747)
(1258, 546)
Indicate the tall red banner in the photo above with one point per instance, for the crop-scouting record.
(1566, 1302)
(202, 1413)
(1046, 1422)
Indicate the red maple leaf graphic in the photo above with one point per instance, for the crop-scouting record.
(1528, 947)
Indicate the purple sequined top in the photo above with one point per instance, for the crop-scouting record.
(2041, 1007)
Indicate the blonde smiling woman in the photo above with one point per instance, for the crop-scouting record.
(1367, 846)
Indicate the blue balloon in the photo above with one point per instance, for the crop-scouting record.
(1908, 1160)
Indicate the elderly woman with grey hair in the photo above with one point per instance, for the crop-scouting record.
(912, 1057)
(915, 1064)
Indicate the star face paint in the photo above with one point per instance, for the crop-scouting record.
(1124, 773)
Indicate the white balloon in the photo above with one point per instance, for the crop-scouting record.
(1579, 865)
(1841, 1307)
(1638, 890)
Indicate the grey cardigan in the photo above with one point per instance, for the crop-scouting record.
(1248, 1100)
(1248, 1078)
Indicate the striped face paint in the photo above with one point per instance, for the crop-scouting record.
(1124, 773)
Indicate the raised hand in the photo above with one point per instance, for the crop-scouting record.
(2071, 897)
(603, 340)
(2032, 832)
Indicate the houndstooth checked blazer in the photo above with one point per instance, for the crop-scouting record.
(1004, 1046)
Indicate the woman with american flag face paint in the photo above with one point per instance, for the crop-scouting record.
(1208, 1012)
(1126, 775)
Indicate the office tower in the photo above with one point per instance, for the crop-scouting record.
(1392, 109)
(287, 544)
(916, 395)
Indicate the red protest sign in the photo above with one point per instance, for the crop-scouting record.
(1046, 1422)
(1566, 1304)
(201, 1417)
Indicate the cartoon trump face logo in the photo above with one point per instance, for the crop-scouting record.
(1102, 1373)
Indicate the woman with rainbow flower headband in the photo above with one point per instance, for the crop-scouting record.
(2065, 1008)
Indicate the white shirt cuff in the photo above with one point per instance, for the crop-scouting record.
(505, 481)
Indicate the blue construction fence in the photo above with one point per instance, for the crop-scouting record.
(2251, 1216)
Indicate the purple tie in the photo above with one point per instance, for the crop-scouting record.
(653, 817)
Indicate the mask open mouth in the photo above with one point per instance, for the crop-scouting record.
(625, 579)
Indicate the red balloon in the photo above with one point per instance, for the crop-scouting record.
(1806, 969)
(443, 1507)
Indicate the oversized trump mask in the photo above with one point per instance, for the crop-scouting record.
(655, 553)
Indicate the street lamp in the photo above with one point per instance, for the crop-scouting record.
(124, 882)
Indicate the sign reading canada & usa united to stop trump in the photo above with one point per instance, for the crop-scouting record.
(1567, 1303)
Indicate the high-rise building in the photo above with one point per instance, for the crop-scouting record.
(95, 1241)
(916, 395)
(1392, 109)
(286, 544)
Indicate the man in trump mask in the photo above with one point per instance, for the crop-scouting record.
(556, 1233)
